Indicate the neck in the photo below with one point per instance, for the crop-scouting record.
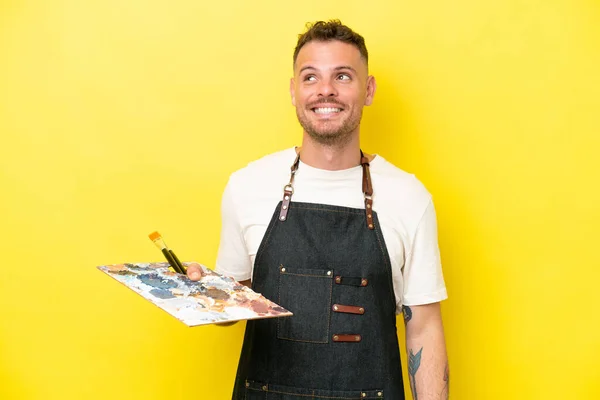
(331, 158)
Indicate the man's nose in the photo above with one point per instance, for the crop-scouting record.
(327, 88)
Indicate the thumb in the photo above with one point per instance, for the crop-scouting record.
(193, 272)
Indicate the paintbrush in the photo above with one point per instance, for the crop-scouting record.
(168, 253)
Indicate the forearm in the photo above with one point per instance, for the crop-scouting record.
(426, 349)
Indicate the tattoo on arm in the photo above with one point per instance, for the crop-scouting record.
(414, 362)
(407, 313)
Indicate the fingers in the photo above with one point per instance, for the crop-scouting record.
(193, 272)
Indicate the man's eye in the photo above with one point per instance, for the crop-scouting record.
(344, 77)
(310, 78)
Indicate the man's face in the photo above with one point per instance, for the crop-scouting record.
(329, 89)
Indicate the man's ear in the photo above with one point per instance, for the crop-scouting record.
(371, 87)
(292, 91)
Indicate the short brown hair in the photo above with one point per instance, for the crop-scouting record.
(331, 30)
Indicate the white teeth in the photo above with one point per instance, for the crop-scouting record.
(327, 110)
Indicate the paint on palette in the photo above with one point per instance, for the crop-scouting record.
(214, 298)
(162, 293)
(138, 267)
(124, 273)
(157, 281)
(217, 294)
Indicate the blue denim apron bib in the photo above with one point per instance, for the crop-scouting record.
(329, 266)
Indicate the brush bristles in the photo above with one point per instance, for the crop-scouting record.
(154, 235)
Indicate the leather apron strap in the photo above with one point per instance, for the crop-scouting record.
(367, 188)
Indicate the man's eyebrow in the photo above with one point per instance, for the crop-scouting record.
(341, 67)
(345, 67)
(305, 68)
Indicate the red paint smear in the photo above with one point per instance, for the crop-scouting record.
(259, 307)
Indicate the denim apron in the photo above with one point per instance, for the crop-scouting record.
(330, 267)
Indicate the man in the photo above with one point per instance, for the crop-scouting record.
(347, 244)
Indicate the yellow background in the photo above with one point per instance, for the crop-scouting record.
(118, 118)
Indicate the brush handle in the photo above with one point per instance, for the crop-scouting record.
(179, 264)
(171, 261)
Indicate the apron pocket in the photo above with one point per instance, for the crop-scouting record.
(307, 294)
(263, 391)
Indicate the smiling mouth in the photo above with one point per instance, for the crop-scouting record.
(326, 110)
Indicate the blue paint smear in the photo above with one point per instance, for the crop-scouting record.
(195, 287)
(157, 281)
(162, 293)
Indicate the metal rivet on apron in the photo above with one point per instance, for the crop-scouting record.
(379, 394)
(282, 269)
(282, 218)
(287, 197)
(362, 310)
(285, 207)
(335, 308)
(368, 206)
(338, 279)
(357, 338)
(329, 273)
(363, 394)
(335, 337)
(370, 216)
(247, 384)
(363, 282)
(264, 387)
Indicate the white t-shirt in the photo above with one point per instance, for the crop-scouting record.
(403, 205)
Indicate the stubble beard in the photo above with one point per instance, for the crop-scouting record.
(328, 135)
